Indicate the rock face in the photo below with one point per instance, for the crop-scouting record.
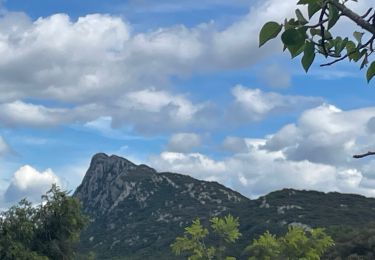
(134, 209)
(137, 212)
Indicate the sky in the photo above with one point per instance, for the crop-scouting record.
(181, 86)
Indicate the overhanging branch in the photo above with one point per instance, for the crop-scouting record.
(353, 16)
(358, 156)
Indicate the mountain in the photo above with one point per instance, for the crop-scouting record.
(136, 212)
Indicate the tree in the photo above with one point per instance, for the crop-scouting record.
(194, 241)
(47, 231)
(298, 243)
(17, 230)
(314, 34)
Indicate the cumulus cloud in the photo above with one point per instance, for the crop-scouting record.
(151, 110)
(96, 66)
(253, 173)
(234, 144)
(313, 153)
(184, 142)
(325, 134)
(29, 183)
(22, 114)
(255, 104)
(196, 164)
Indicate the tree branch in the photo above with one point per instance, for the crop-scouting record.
(322, 30)
(353, 16)
(357, 156)
(368, 43)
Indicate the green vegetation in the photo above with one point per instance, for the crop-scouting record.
(47, 231)
(195, 244)
(352, 243)
(297, 243)
(313, 34)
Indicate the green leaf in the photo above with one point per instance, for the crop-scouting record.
(296, 50)
(358, 36)
(352, 50)
(343, 44)
(291, 24)
(338, 42)
(313, 8)
(293, 37)
(365, 61)
(303, 2)
(300, 17)
(309, 55)
(314, 31)
(269, 31)
(294, 40)
(371, 71)
(333, 16)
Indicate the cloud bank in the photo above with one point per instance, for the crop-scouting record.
(313, 153)
(97, 66)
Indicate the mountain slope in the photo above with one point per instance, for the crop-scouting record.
(137, 212)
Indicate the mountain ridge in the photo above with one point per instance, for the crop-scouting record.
(136, 212)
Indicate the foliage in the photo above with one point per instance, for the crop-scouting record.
(195, 238)
(47, 231)
(298, 243)
(314, 34)
(352, 243)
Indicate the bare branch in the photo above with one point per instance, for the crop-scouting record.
(367, 13)
(335, 61)
(318, 24)
(358, 156)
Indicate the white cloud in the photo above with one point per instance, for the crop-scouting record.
(92, 65)
(234, 144)
(184, 142)
(151, 111)
(325, 134)
(19, 113)
(313, 153)
(257, 172)
(96, 67)
(30, 183)
(255, 104)
(195, 164)
(103, 126)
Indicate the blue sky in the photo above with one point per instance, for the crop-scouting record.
(182, 87)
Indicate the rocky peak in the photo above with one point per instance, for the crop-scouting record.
(134, 206)
(111, 181)
(103, 176)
